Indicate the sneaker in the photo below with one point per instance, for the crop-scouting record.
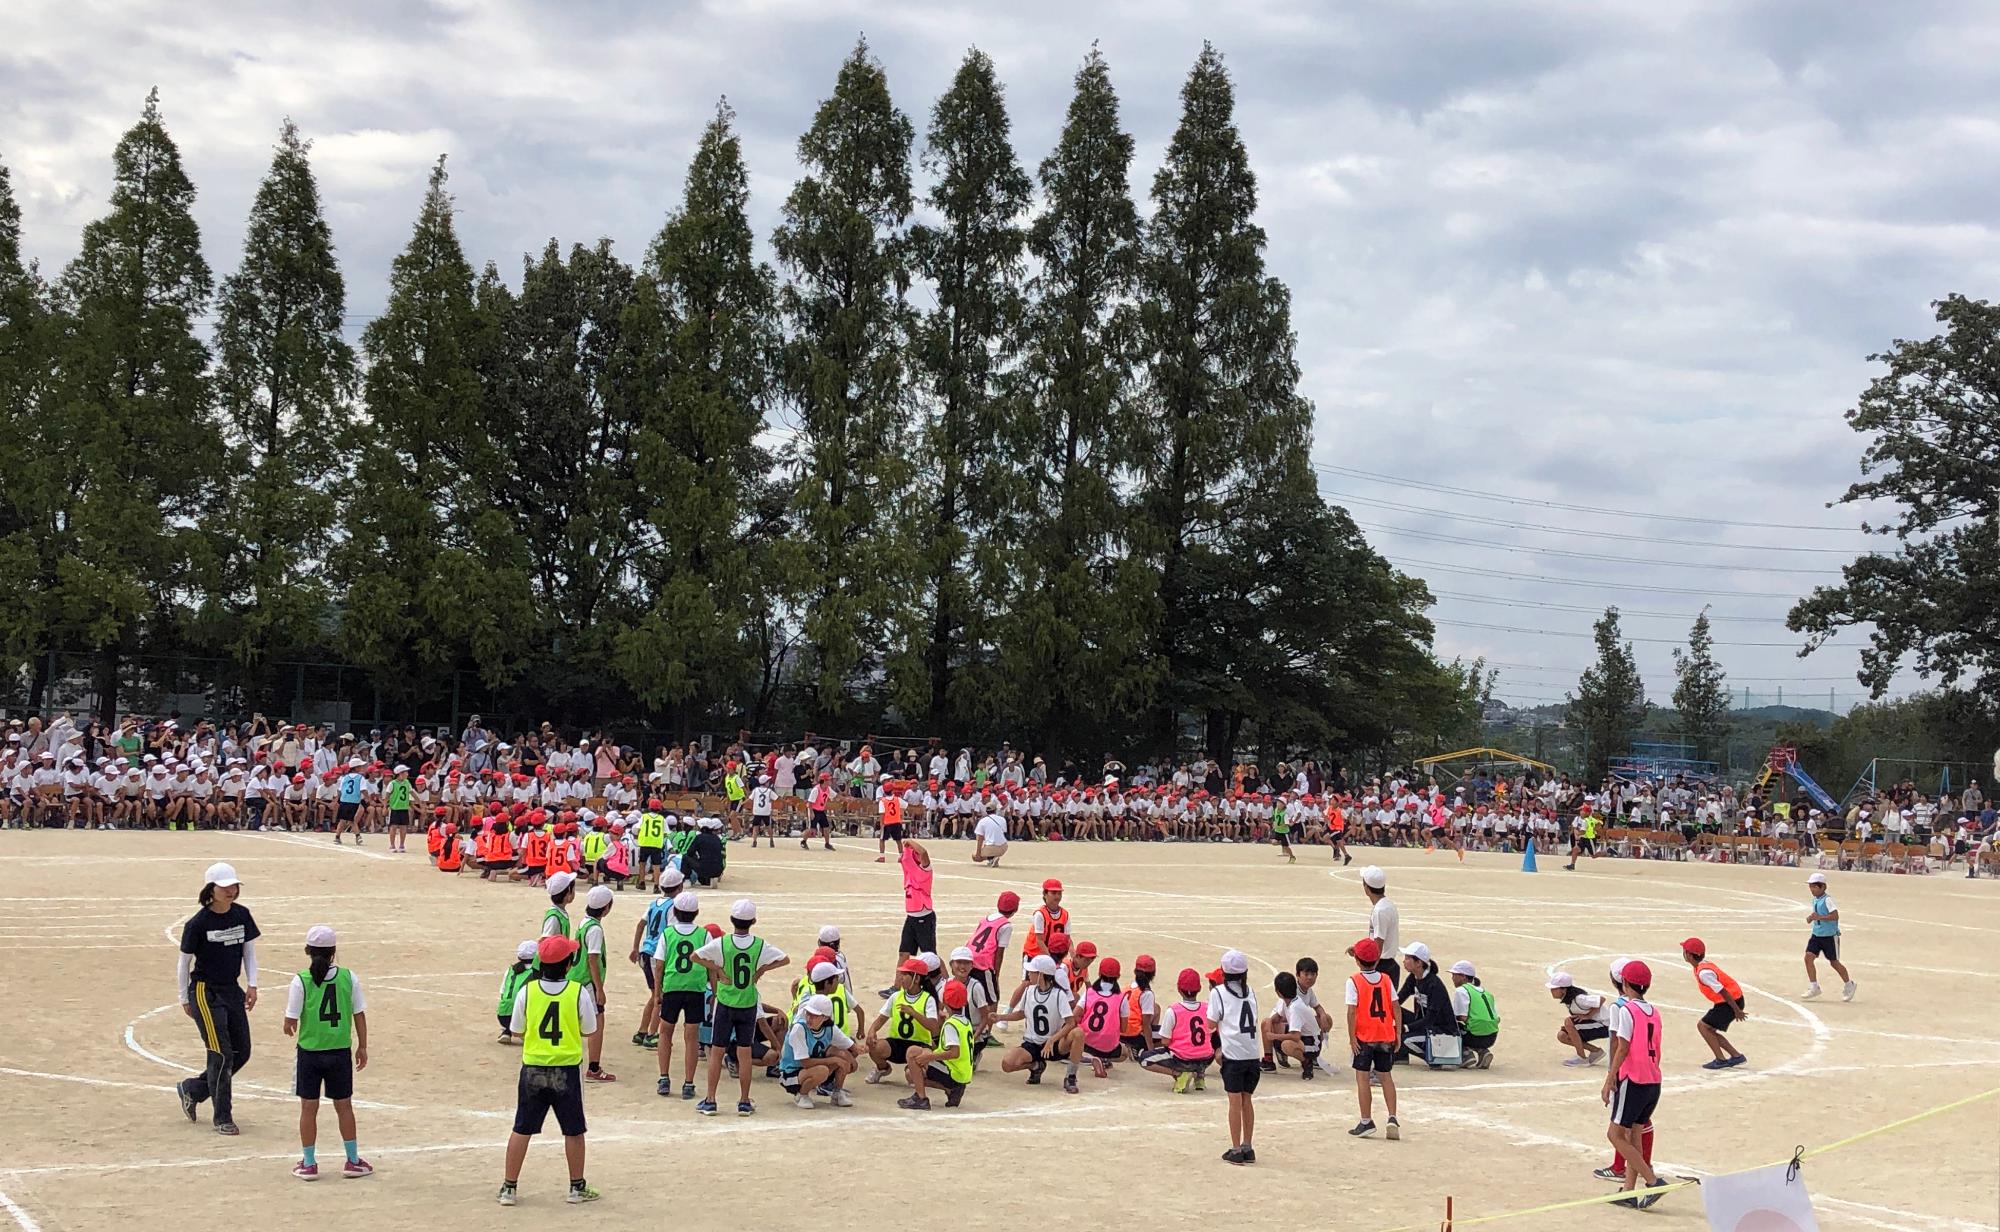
(1035, 1072)
(188, 1104)
(1631, 1203)
(1069, 1084)
(915, 1103)
(842, 1099)
(507, 1195)
(1201, 1082)
(1309, 1067)
(952, 1099)
(802, 1100)
(1233, 1155)
(1485, 1058)
(354, 1169)
(1596, 1055)
(1609, 1174)
(305, 1171)
(665, 1087)
(1575, 1062)
(1270, 1066)
(638, 1039)
(1653, 1194)
(687, 1090)
(1846, 994)
(1811, 992)
(875, 1077)
(227, 1129)
(582, 1193)
(599, 1075)
(744, 1107)
(706, 1107)
(1735, 1061)
(652, 1039)
(1717, 1063)
(1245, 1155)
(1365, 1129)
(825, 1088)
(1394, 1130)
(1181, 1083)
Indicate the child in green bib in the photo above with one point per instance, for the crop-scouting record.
(327, 1013)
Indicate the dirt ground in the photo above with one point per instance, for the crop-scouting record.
(90, 1132)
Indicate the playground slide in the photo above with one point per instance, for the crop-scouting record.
(1818, 793)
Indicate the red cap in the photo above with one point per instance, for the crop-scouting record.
(1052, 884)
(555, 949)
(820, 955)
(1368, 950)
(953, 994)
(1058, 944)
(714, 930)
(1009, 903)
(912, 966)
(1215, 976)
(1086, 949)
(441, 811)
(1638, 973)
(1144, 963)
(1109, 969)
(1188, 981)
(653, 803)
(1694, 946)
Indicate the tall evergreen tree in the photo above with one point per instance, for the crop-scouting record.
(132, 410)
(699, 348)
(1075, 614)
(565, 436)
(1610, 698)
(29, 461)
(1223, 431)
(433, 574)
(1701, 693)
(842, 242)
(284, 374)
(960, 352)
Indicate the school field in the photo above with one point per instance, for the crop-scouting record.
(91, 1135)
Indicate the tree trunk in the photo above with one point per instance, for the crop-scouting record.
(104, 682)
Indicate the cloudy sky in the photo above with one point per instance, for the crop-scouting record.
(1554, 264)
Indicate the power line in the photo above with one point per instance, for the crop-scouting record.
(1563, 581)
(1623, 611)
(1568, 530)
(1600, 510)
(1664, 641)
(1493, 546)
(1667, 675)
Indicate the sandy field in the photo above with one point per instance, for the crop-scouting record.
(91, 1135)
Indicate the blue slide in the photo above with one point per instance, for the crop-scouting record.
(1818, 793)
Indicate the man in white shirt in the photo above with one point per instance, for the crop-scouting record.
(1383, 919)
(989, 839)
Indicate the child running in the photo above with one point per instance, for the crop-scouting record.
(1824, 918)
(1375, 1036)
(328, 1014)
(1725, 1005)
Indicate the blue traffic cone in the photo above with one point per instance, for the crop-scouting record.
(1528, 857)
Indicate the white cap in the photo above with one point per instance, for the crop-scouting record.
(1618, 969)
(561, 882)
(687, 901)
(962, 954)
(1816, 879)
(930, 960)
(819, 1005)
(1417, 950)
(671, 877)
(1042, 964)
(525, 952)
(824, 971)
(828, 934)
(1234, 963)
(599, 896)
(1464, 967)
(1562, 979)
(1374, 878)
(352, 762)
(320, 935)
(743, 909)
(220, 875)
(402, 769)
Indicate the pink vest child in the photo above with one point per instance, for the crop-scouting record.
(916, 884)
(985, 942)
(615, 859)
(1099, 1020)
(1191, 1040)
(1642, 1058)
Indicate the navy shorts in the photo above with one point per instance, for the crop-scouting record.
(681, 1006)
(330, 1071)
(1826, 947)
(733, 1026)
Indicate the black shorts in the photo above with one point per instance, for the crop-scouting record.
(1480, 1042)
(346, 812)
(1632, 1104)
(331, 1071)
(818, 820)
(1586, 846)
(919, 934)
(1113, 1054)
(990, 981)
(1720, 1015)
(496, 865)
(1240, 1077)
(899, 1050)
(733, 1026)
(1591, 1032)
(892, 831)
(549, 1088)
(1034, 1048)
(399, 817)
(681, 1006)
(1378, 1057)
(646, 969)
(1136, 1043)
(651, 856)
(938, 1076)
(1180, 1065)
(1826, 947)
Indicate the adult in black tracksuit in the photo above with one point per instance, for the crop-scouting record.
(217, 944)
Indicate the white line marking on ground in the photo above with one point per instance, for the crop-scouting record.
(21, 1217)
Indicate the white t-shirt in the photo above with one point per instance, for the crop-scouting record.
(295, 1000)
(991, 830)
(1382, 925)
(1235, 1019)
(1299, 1017)
(586, 1008)
(760, 805)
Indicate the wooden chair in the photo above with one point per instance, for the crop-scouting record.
(1787, 852)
